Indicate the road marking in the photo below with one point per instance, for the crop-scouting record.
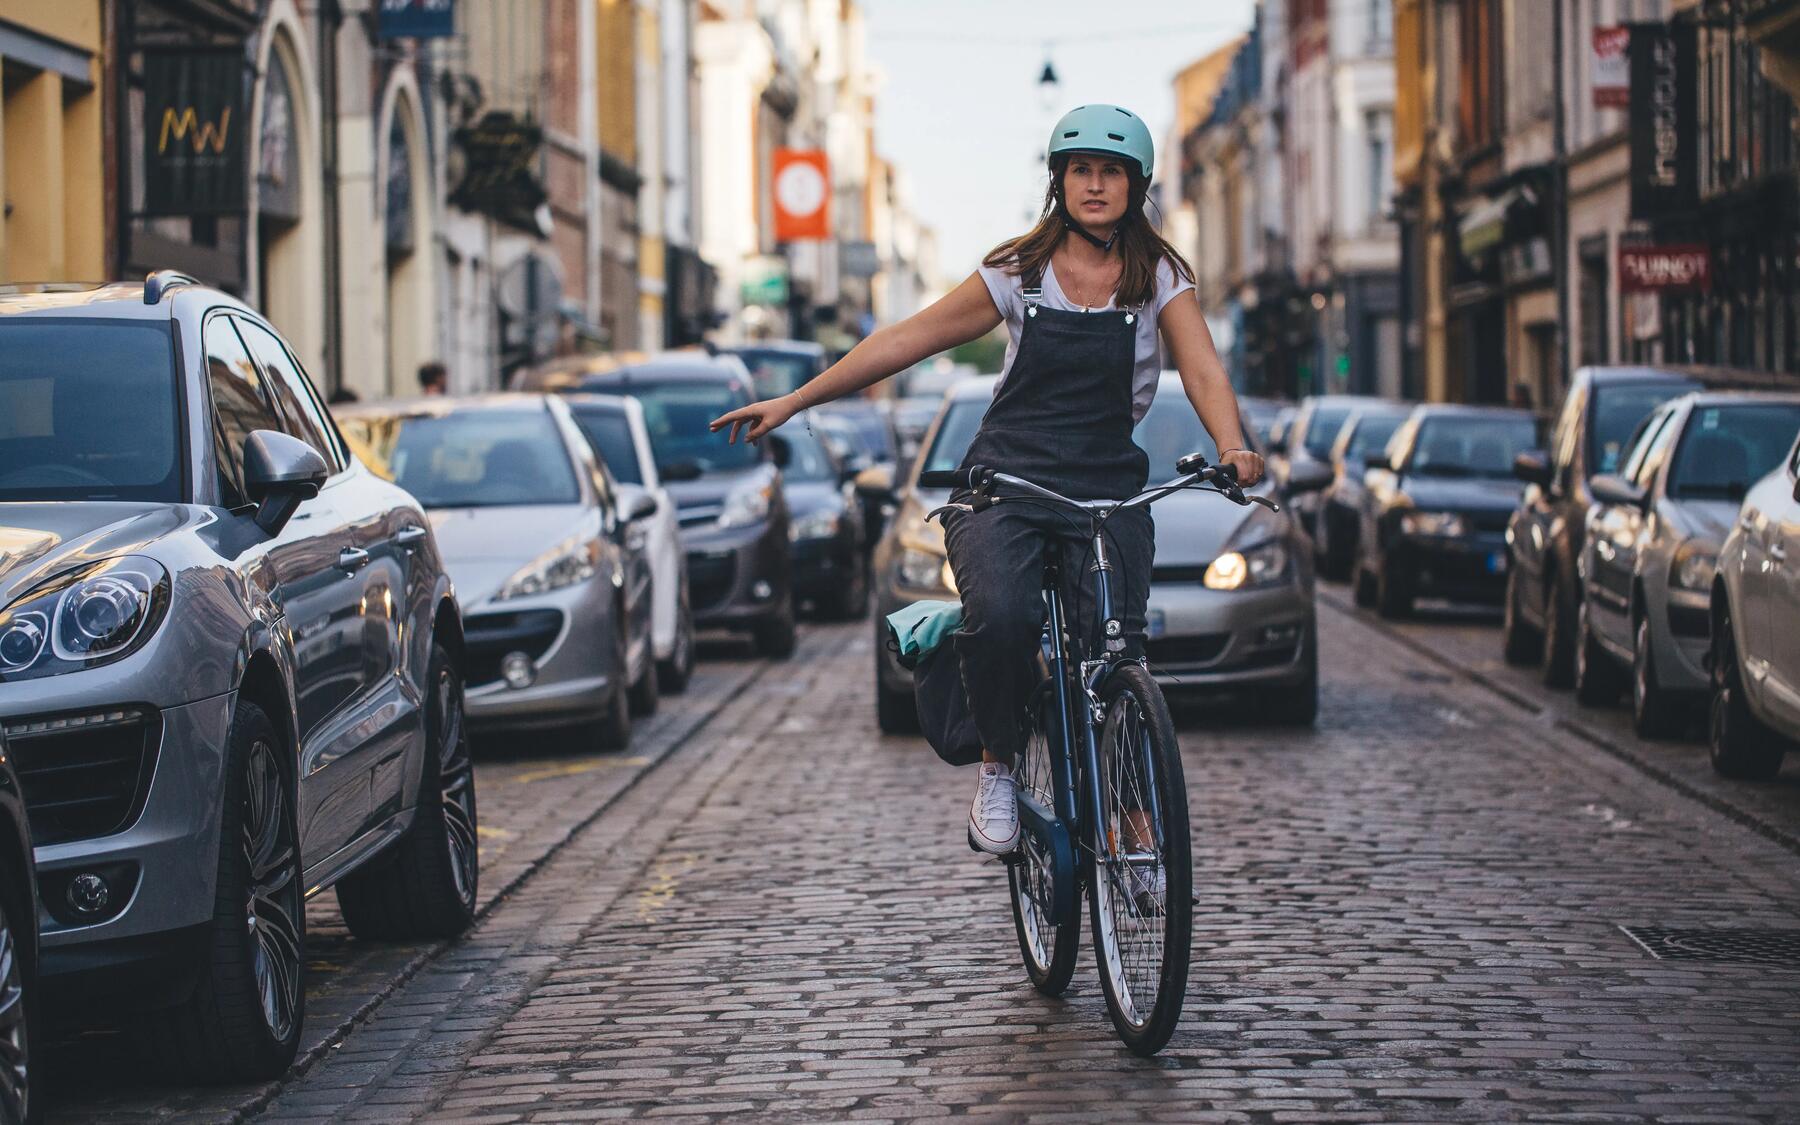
(571, 770)
(659, 888)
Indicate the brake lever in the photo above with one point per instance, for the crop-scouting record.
(938, 513)
(1265, 502)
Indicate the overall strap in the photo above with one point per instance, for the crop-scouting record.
(1034, 296)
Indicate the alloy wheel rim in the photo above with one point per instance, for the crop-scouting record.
(273, 906)
(15, 1040)
(456, 787)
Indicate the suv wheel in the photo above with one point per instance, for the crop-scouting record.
(1598, 680)
(242, 1021)
(673, 674)
(776, 635)
(18, 1002)
(424, 886)
(1559, 637)
(1521, 643)
(1741, 745)
(1653, 713)
(1393, 591)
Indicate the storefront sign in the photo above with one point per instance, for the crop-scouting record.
(1684, 268)
(1610, 69)
(194, 124)
(765, 282)
(1664, 171)
(417, 19)
(802, 192)
(499, 156)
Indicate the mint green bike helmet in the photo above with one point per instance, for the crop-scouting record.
(1105, 128)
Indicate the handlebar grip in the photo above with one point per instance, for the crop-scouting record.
(949, 478)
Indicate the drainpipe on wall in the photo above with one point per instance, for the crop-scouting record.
(331, 19)
(1559, 197)
(588, 122)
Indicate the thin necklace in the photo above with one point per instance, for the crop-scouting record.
(1080, 300)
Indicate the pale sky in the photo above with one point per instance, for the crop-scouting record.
(961, 113)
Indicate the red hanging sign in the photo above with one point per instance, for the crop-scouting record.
(802, 195)
(1675, 268)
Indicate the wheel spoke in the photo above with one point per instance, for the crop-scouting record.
(15, 1046)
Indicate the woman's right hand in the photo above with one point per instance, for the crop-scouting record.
(758, 418)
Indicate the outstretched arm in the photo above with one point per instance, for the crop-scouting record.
(963, 314)
(1208, 387)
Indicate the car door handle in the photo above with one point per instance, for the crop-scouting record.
(410, 535)
(352, 558)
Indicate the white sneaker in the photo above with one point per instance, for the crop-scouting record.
(1149, 889)
(994, 817)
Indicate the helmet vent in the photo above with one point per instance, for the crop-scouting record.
(1116, 137)
(1072, 133)
(1126, 112)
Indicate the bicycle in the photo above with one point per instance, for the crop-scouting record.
(1101, 775)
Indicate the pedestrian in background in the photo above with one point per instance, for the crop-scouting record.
(434, 379)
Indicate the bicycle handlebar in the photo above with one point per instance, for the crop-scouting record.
(980, 480)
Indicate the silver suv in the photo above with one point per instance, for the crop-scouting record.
(229, 670)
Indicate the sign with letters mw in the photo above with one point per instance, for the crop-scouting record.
(193, 127)
(1665, 174)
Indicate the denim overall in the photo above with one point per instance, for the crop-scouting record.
(1063, 419)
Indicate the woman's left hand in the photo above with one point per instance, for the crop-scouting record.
(1249, 465)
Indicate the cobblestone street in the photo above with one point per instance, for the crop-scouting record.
(1411, 913)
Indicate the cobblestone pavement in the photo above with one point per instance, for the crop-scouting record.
(1409, 914)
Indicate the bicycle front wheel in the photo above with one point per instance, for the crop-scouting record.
(1140, 871)
(1047, 946)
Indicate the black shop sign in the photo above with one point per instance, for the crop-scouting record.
(194, 126)
(1665, 177)
(498, 175)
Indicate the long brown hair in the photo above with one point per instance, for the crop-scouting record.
(1141, 248)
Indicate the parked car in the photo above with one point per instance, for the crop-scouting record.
(615, 431)
(19, 1027)
(1231, 589)
(1652, 548)
(825, 530)
(556, 590)
(230, 671)
(734, 518)
(1309, 439)
(912, 418)
(1213, 624)
(1755, 656)
(1544, 536)
(779, 367)
(1366, 431)
(1436, 505)
(1261, 415)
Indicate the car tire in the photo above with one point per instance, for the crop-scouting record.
(1393, 592)
(1297, 704)
(1363, 587)
(1558, 649)
(895, 711)
(1740, 745)
(673, 674)
(1521, 644)
(775, 636)
(851, 601)
(1598, 678)
(646, 693)
(19, 1021)
(1654, 715)
(223, 1032)
(614, 731)
(1337, 550)
(425, 886)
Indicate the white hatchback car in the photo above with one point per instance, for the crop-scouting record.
(614, 427)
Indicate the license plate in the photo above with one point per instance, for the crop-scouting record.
(1496, 562)
(1156, 625)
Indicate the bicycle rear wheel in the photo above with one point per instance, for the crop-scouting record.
(1047, 947)
(1140, 871)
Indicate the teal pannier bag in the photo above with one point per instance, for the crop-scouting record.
(921, 639)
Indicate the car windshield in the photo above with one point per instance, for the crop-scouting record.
(1726, 449)
(953, 437)
(1471, 446)
(1615, 415)
(1169, 431)
(677, 413)
(871, 422)
(471, 458)
(608, 431)
(1372, 433)
(1322, 429)
(777, 373)
(807, 459)
(88, 412)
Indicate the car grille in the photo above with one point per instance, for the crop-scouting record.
(710, 579)
(488, 638)
(1178, 573)
(1488, 520)
(1200, 649)
(697, 514)
(84, 775)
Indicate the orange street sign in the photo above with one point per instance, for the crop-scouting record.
(802, 195)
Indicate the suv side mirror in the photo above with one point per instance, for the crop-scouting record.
(642, 508)
(677, 471)
(280, 472)
(780, 451)
(1377, 459)
(1533, 467)
(1609, 488)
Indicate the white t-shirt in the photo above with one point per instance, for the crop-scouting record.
(1008, 292)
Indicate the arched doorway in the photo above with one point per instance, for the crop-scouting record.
(411, 303)
(288, 238)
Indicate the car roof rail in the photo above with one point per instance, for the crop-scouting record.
(158, 284)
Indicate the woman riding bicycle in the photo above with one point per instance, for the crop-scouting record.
(1083, 294)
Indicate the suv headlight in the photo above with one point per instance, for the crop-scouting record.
(1262, 565)
(747, 504)
(925, 570)
(1694, 566)
(83, 618)
(818, 525)
(569, 562)
(1449, 525)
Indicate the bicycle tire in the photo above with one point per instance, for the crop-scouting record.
(1047, 948)
(1140, 943)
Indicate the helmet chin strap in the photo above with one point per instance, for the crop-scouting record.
(1102, 246)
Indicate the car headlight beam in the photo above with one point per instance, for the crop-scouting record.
(83, 617)
(747, 504)
(569, 562)
(814, 525)
(1692, 568)
(1447, 525)
(1261, 565)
